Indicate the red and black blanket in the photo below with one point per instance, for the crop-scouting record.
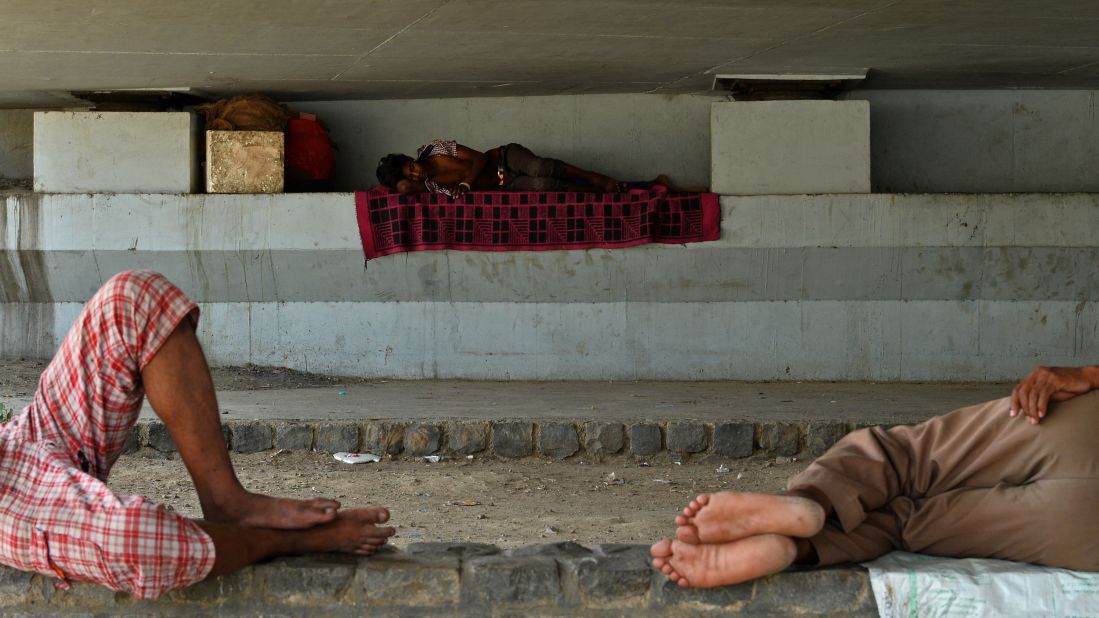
(532, 221)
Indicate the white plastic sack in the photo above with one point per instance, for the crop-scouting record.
(907, 585)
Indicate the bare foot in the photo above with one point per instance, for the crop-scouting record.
(663, 181)
(259, 511)
(607, 184)
(707, 566)
(731, 516)
(353, 531)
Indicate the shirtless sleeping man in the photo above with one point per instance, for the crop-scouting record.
(1014, 479)
(447, 167)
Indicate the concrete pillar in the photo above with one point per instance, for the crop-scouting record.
(115, 152)
(790, 147)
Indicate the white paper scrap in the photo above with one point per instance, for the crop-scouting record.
(356, 458)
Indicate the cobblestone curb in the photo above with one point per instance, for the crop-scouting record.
(458, 579)
(508, 439)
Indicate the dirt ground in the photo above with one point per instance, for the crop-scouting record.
(507, 503)
(18, 378)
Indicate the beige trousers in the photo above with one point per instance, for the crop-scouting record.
(972, 483)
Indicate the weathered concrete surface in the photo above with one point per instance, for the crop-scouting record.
(125, 152)
(629, 136)
(790, 147)
(460, 579)
(361, 50)
(983, 140)
(16, 143)
(849, 287)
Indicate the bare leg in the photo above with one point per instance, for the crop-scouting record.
(724, 564)
(600, 181)
(731, 516)
(178, 385)
(352, 531)
(666, 182)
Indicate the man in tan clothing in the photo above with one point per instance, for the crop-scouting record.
(1015, 478)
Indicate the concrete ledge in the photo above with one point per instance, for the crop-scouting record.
(817, 287)
(459, 579)
(681, 440)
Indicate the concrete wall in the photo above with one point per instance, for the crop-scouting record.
(977, 141)
(831, 287)
(921, 140)
(631, 137)
(16, 139)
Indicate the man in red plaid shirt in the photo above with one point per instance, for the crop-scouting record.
(136, 337)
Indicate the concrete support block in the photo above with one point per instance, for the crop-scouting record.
(293, 436)
(244, 161)
(621, 573)
(512, 438)
(422, 439)
(336, 437)
(790, 147)
(780, 439)
(821, 435)
(558, 440)
(603, 438)
(115, 152)
(466, 438)
(411, 581)
(733, 439)
(687, 437)
(645, 439)
(251, 436)
(384, 438)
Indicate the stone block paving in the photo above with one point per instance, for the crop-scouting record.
(682, 440)
(448, 579)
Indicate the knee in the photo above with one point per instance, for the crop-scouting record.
(183, 554)
(520, 158)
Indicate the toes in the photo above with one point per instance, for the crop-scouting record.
(658, 563)
(682, 520)
(376, 514)
(324, 506)
(688, 534)
(703, 500)
(661, 549)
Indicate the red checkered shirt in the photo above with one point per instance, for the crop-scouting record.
(57, 517)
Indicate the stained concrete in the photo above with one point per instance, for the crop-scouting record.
(830, 287)
(16, 140)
